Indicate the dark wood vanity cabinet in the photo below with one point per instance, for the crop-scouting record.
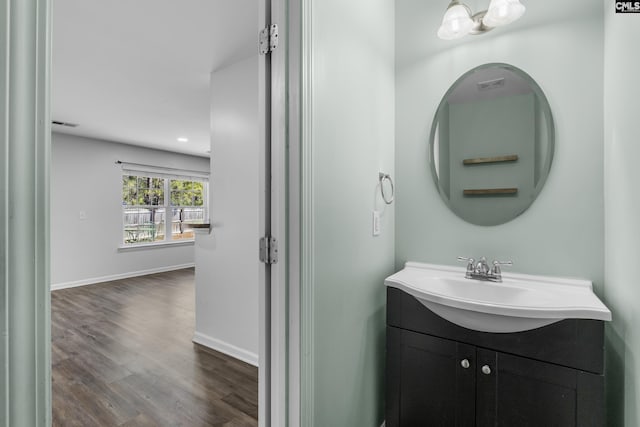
(440, 374)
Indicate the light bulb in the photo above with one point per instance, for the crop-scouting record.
(456, 22)
(502, 12)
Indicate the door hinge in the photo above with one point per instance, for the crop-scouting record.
(268, 250)
(268, 39)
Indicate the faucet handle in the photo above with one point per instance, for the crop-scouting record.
(470, 261)
(497, 264)
(470, 265)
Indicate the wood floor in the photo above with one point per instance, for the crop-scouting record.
(122, 356)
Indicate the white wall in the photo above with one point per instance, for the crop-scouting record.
(84, 177)
(227, 265)
(622, 208)
(352, 140)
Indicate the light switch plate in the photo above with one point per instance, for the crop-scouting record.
(376, 223)
(83, 215)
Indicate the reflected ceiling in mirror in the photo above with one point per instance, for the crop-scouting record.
(492, 143)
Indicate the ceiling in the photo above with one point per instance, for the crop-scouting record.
(137, 72)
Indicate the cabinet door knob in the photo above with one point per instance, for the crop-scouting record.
(486, 370)
(465, 363)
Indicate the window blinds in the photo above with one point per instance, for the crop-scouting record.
(162, 172)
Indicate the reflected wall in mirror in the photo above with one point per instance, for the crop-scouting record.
(492, 143)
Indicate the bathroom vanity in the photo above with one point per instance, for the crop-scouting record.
(443, 374)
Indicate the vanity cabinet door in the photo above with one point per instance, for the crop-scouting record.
(515, 391)
(434, 379)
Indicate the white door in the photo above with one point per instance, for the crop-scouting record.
(240, 300)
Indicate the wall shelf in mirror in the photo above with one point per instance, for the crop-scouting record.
(495, 159)
(490, 191)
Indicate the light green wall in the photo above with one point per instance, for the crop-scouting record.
(352, 140)
(622, 225)
(562, 232)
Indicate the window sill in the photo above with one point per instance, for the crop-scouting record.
(142, 246)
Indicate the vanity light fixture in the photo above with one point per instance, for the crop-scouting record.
(183, 139)
(458, 20)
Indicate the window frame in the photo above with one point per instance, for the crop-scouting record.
(166, 206)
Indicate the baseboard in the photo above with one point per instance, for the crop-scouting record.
(94, 280)
(226, 348)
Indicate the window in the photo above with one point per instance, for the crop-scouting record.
(146, 200)
(187, 205)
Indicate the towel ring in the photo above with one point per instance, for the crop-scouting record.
(382, 177)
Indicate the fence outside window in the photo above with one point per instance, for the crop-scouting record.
(145, 208)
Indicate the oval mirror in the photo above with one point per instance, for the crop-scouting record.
(492, 143)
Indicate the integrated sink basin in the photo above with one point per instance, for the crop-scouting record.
(519, 303)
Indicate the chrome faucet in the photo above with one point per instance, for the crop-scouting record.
(480, 270)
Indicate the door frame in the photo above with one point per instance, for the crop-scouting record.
(290, 13)
(301, 218)
(291, 387)
(25, 135)
(25, 142)
(292, 190)
(282, 315)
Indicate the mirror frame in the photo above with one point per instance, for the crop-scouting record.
(551, 134)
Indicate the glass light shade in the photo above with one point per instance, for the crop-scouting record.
(456, 23)
(502, 12)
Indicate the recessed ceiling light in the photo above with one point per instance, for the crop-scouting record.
(183, 139)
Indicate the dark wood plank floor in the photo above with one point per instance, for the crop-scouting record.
(122, 356)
